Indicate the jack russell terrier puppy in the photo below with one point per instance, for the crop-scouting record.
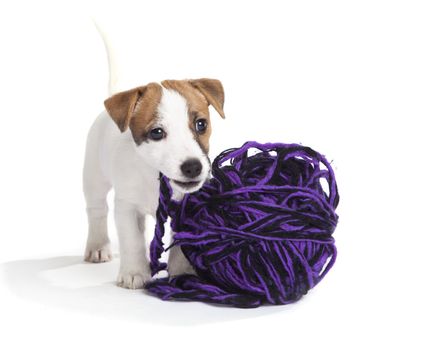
(144, 131)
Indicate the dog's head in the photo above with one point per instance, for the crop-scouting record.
(170, 125)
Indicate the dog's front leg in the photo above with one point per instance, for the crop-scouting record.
(178, 263)
(134, 267)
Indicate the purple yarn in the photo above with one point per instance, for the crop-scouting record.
(260, 231)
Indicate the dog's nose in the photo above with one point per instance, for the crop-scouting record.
(191, 168)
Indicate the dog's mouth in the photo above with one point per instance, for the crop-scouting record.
(187, 185)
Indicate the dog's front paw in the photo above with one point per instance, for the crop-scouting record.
(183, 269)
(98, 254)
(133, 279)
(178, 263)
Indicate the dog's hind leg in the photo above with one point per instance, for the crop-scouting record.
(96, 188)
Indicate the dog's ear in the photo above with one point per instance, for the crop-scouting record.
(121, 106)
(213, 91)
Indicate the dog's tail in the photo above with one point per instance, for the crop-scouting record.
(112, 61)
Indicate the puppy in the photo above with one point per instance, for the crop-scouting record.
(144, 131)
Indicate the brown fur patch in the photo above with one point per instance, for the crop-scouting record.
(136, 108)
(213, 91)
(198, 103)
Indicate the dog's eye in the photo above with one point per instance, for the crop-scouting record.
(156, 134)
(201, 126)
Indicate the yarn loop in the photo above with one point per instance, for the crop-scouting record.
(260, 231)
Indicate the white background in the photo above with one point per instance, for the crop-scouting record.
(356, 80)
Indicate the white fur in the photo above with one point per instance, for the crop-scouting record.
(113, 66)
(179, 145)
(113, 160)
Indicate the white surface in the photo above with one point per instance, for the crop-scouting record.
(356, 81)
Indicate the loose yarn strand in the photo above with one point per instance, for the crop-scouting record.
(157, 245)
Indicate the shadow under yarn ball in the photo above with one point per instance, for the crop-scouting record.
(260, 231)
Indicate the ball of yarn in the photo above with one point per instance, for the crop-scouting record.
(260, 231)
